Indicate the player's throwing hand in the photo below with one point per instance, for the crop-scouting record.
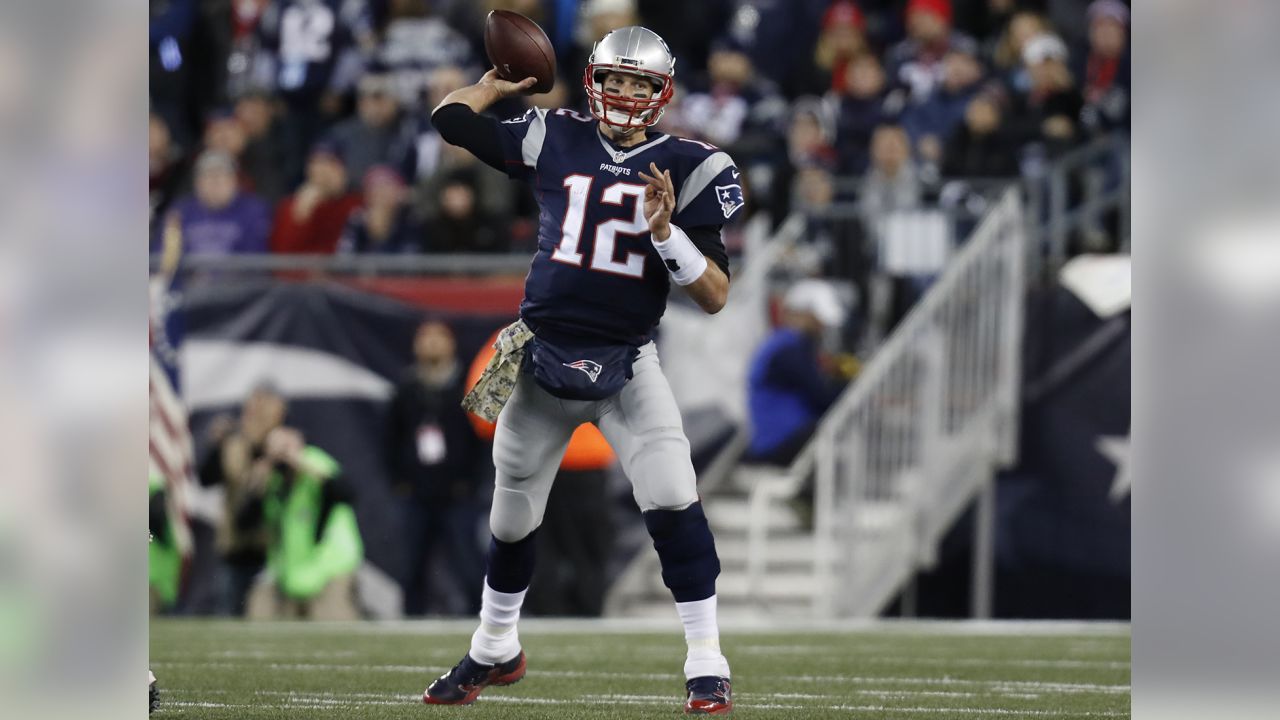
(659, 201)
(506, 88)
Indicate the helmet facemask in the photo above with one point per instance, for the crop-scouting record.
(619, 111)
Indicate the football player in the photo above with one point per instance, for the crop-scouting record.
(625, 211)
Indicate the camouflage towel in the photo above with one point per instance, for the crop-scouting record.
(499, 377)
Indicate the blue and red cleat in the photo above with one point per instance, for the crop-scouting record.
(708, 695)
(462, 684)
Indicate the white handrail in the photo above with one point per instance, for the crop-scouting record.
(918, 435)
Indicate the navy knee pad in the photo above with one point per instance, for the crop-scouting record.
(510, 565)
(687, 551)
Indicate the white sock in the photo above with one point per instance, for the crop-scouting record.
(702, 635)
(496, 640)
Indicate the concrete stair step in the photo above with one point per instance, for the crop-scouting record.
(784, 552)
(730, 514)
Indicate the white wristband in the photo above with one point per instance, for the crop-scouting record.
(683, 259)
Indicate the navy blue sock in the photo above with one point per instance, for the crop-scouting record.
(687, 551)
(510, 564)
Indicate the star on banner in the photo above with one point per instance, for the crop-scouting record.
(1116, 449)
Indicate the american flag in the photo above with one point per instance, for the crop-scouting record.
(172, 450)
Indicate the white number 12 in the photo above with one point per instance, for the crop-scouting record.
(606, 232)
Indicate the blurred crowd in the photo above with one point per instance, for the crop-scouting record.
(303, 126)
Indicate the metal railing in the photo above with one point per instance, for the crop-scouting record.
(919, 435)
(1073, 194)
(359, 265)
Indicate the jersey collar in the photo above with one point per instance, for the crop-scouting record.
(621, 155)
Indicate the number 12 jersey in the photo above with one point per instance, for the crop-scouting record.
(596, 274)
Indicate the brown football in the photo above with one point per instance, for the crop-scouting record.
(518, 48)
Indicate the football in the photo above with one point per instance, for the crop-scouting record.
(518, 48)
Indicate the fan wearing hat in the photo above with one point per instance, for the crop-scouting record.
(917, 62)
(841, 42)
(218, 218)
(379, 133)
(384, 224)
(311, 219)
(1104, 68)
(1049, 111)
(788, 388)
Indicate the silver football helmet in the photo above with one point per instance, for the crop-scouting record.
(637, 51)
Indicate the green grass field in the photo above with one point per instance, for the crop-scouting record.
(377, 671)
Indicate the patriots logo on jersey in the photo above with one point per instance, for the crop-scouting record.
(730, 197)
(590, 367)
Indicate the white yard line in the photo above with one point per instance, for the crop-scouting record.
(431, 671)
(324, 703)
(763, 625)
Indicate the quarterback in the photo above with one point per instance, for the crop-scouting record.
(624, 212)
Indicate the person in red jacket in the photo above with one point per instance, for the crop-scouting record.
(311, 219)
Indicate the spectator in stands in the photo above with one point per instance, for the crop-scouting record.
(1007, 56)
(494, 195)
(384, 224)
(310, 54)
(788, 387)
(237, 463)
(437, 465)
(780, 38)
(430, 147)
(1049, 113)
(808, 142)
(219, 219)
(893, 182)
(1104, 68)
(264, 159)
(223, 131)
(981, 147)
(462, 225)
(917, 62)
(311, 220)
(165, 166)
(839, 46)
(738, 110)
(379, 134)
(242, 43)
(416, 42)
(862, 107)
(929, 123)
(314, 546)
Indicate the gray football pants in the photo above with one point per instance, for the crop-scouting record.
(642, 423)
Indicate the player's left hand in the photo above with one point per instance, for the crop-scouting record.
(659, 201)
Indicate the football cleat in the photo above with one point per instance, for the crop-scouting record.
(708, 695)
(462, 684)
(153, 694)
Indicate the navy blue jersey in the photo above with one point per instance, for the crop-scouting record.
(596, 273)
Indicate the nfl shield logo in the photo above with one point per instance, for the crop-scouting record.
(730, 197)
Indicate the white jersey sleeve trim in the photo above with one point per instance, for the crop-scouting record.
(701, 177)
(531, 147)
